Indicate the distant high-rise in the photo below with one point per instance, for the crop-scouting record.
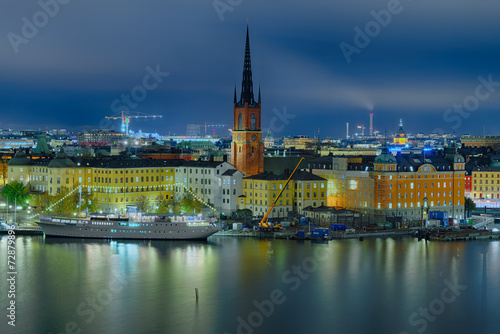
(247, 148)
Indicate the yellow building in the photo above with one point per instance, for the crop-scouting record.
(113, 183)
(304, 190)
(486, 184)
(300, 142)
(118, 184)
(481, 141)
(400, 137)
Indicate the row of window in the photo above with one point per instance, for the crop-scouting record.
(486, 181)
(299, 195)
(131, 189)
(136, 198)
(405, 205)
(486, 175)
(432, 176)
(108, 179)
(265, 202)
(418, 185)
(487, 188)
(132, 171)
(308, 186)
(487, 196)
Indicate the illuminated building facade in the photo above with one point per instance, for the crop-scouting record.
(113, 183)
(400, 137)
(481, 141)
(216, 183)
(304, 190)
(485, 186)
(395, 185)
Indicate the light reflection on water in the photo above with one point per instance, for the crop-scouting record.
(374, 286)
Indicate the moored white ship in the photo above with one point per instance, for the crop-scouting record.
(135, 226)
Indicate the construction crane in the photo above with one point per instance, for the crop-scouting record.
(264, 224)
(126, 118)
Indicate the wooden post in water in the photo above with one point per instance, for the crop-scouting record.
(196, 292)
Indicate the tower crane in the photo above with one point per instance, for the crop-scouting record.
(126, 116)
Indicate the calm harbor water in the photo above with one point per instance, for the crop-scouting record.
(253, 286)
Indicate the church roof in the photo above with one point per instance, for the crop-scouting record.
(247, 82)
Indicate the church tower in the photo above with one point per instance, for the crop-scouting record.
(247, 147)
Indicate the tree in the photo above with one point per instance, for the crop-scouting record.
(64, 205)
(16, 192)
(169, 206)
(3, 169)
(190, 204)
(243, 214)
(88, 201)
(469, 205)
(144, 206)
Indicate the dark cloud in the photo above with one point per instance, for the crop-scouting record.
(427, 58)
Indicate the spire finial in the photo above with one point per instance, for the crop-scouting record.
(259, 95)
(247, 83)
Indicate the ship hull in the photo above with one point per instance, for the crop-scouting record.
(124, 229)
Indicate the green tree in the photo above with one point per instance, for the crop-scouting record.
(144, 206)
(190, 204)
(88, 201)
(4, 169)
(16, 192)
(169, 206)
(469, 205)
(64, 203)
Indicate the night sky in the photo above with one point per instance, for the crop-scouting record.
(424, 57)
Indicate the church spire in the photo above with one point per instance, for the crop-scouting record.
(235, 101)
(247, 84)
(259, 96)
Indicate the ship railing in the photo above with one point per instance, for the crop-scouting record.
(28, 228)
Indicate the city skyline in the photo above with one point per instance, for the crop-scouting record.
(322, 65)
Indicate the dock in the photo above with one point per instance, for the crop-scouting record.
(462, 235)
(292, 235)
(24, 230)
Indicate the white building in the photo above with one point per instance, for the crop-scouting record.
(216, 183)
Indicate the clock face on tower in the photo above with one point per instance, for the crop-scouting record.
(239, 137)
(254, 137)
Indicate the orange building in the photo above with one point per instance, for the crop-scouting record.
(247, 147)
(395, 186)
